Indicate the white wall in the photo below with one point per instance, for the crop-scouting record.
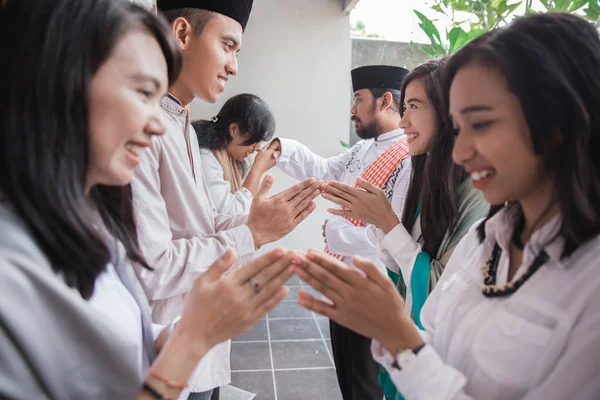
(296, 55)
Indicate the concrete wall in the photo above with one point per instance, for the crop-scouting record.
(296, 55)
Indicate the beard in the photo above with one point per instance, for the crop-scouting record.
(369, 130)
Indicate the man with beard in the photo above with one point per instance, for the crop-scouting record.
(381, 158)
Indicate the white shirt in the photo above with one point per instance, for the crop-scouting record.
(398, 250)
(180, 234)
(219, 190)
(343, 237)
(541, 342)
(118, 307)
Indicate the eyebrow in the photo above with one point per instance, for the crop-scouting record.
(356, 95)
(413, 100)
(147, 78)
(476, 108)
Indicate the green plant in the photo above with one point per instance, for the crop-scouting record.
(487, 15)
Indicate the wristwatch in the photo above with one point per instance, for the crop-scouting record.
(406, 357)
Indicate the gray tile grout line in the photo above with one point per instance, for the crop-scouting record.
(314, 315)
(271, 355)
(283, 369)
(323, 339)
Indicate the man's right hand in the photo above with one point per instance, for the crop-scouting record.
(272, 218)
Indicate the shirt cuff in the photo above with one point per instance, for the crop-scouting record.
(427, 377)
(244, 242)
(287, 146)
(396, 239)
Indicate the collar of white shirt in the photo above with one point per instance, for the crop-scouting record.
(390, 135)
(500, 228)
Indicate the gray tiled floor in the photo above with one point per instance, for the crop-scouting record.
(287, 355)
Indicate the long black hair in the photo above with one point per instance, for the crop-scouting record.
(50, 50)
(250, 112)
(435, 178)
(551, 63)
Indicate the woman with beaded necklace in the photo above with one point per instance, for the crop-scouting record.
(515, 314)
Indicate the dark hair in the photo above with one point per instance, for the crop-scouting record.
(50, 50)
(196, 17)
(379, 92)
(250, 112)
(435, 178)
(551, 63)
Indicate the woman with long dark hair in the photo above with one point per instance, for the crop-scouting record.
(441, 204)
(515, 314)
(81, 86)
(226, 141)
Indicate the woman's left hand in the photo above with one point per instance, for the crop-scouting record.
(367, 203)
(370, 305)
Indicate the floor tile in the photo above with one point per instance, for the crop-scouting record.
(324, 326)
(319, 384)
(292, 354)
(294, 329)
(289, 310)
(258, 332)
(258, 382)
(249, 356)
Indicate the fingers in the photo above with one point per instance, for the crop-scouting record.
(368, 186)
(268, 289)
(274, 270)
(263, 308)
(320, 279)
(305, 213)
(371, 270)
(290, 193)
(243, 275)
(340, 201)
(342, 190)
(219, 267)
(264, 187)
(303, 203)
(310, 192)
(320, 307)
(335, 267)
(341, 213)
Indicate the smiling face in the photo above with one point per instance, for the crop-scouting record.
(124, 111)
(210, 57)
(493, 141)
(420, 119)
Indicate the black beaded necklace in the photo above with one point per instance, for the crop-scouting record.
(490, 269)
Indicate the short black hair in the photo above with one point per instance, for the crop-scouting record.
(250, 112)
(196, 17)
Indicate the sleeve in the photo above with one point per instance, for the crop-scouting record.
(219, 190)
(176, 263)
(575, 376)
(42, 354)
(342, 236)
(300, 163)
